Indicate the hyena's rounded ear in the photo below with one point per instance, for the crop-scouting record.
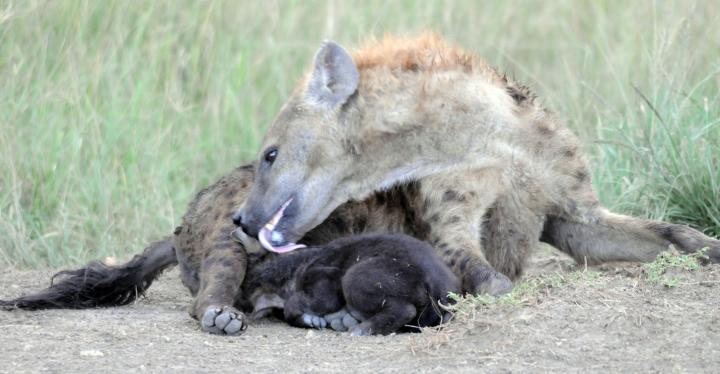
(334, 78)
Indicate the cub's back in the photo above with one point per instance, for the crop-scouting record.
(438, 278)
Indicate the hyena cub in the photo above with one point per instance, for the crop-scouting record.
(367, 284)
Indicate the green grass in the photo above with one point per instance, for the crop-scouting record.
(526, 292)
(112, 113)
(656, 271)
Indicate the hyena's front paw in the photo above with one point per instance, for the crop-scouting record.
(484, 279)
(224, 321)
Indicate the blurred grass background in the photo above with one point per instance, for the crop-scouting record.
(113, 113)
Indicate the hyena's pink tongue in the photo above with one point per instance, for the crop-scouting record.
(268, 235)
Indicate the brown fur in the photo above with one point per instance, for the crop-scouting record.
(428, 52)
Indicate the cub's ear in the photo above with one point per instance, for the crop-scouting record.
(334, 78)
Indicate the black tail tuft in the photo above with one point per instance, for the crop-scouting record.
(100, 285)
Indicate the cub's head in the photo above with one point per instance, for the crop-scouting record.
(303, 166)
(315, 289)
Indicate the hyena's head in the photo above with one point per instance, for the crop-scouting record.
(303, 165)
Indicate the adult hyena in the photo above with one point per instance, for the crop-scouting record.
(410, 136)
(475, 147)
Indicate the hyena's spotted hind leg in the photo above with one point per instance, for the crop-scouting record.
(615, 237)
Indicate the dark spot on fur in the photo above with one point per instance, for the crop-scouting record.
(453, 220)
(230, 193)
(544, 130)
(220, 276)
(228, 263)
(380, 198)
(451, 195)
(570, 152)
(178, 230)
(434, 218)
(339, 225)
(404, 198)
(463, 264)
(517, 95)
(359, 224)
(211, 262)
(581, 175)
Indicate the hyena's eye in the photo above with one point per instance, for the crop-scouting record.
(270, 155)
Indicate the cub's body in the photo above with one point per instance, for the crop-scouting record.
(382, 281)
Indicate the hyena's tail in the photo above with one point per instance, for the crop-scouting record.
(100, 285)
(615, 237)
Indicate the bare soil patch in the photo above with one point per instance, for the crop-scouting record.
(609, 318)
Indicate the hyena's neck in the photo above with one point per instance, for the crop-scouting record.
(427, 126)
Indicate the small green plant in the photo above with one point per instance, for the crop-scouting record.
(526, 292)
(657, 270)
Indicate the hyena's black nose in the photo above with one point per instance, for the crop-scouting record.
(237, 219)
(244, 223)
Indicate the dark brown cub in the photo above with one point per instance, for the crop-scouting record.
(368, 284)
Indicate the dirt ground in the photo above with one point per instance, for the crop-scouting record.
(603, 319)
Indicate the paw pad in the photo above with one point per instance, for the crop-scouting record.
(223, 321)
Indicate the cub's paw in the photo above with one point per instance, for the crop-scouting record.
(341, 320)
(223, 321)
(484, 279)
(363, 329)
(312, 321)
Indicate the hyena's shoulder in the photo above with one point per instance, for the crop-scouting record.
(225, 191)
